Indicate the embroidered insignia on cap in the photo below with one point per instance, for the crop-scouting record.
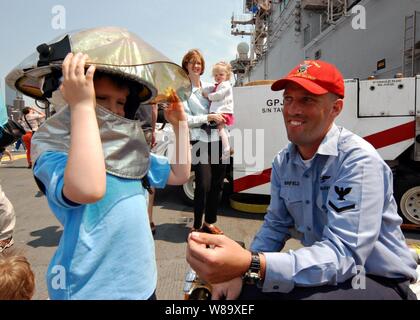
(302, 72)
(303, 68)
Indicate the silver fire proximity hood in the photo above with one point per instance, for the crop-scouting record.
(118, 53)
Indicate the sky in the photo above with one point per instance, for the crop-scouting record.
(172, 27)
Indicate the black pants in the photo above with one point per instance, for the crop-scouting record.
(209, 176)
(376, 288)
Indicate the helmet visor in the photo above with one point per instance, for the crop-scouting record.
(112, 50)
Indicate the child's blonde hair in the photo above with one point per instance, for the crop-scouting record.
(17, 281)
(222, 65)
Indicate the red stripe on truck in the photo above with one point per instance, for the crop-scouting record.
(253, 180)
(394, 135)
(378, 140)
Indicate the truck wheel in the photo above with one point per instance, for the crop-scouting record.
(188, 190)
(410, 204)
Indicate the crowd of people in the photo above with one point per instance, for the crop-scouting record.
(102, 191)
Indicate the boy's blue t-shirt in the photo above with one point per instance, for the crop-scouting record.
(107, 249)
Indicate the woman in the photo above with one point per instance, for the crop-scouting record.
(206, 148)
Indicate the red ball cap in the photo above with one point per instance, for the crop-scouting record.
(316, 76)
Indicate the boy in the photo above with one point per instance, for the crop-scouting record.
(107, 249)
(17, 281)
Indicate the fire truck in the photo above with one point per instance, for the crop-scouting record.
(384, 112)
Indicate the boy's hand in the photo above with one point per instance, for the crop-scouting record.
(175, 113)
(77, 88)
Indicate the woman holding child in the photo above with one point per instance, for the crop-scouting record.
(206, 148)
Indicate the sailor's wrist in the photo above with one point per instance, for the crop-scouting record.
(253, 274)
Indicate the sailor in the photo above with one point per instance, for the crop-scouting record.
(336, 191)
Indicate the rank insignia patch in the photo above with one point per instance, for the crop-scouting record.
(342, 204)
(342, 192)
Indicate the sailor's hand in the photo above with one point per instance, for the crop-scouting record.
(229, 290)
(77, 87)
(223, 261)
(175, 113)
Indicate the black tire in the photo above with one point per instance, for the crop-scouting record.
(187, 191)
(407, 196)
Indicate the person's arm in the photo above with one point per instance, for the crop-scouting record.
(195, 121)
(216, 117)
(205, 90)
(222, 91)
(181, 164)
(227, 260)
(85, 175)
(39, 114)
(153, 124)
(274, 231)
(348, 237)
(216, 258)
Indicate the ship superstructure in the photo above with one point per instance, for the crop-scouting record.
(362, 37)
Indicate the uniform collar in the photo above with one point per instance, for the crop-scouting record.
(328, 146)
